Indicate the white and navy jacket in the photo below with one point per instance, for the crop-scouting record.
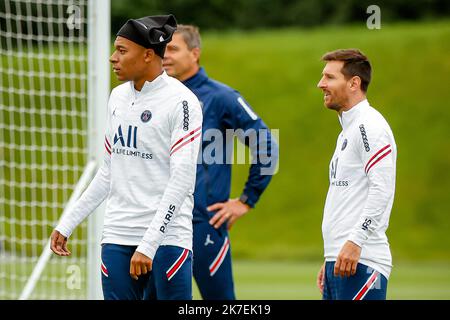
(149, 170)
(362, 187)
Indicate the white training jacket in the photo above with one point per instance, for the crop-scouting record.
(149, 168)
(362, 187)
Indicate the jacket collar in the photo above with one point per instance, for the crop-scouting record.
(149, 86)
(347, 117)
(197, 79)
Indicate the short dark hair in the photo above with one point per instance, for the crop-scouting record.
(355, 64)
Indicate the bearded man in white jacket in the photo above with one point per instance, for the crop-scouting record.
(362, 185)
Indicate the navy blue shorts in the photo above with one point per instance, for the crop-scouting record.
(170, 278)
(212, 262)
(365, 284)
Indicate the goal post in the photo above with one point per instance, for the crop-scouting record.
(54, 87)
(98, 92)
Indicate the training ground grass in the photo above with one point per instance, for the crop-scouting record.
(262, 280)
(297, 281)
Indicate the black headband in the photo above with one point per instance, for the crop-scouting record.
(150, 32)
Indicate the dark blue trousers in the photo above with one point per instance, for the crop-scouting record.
(212, 262)
(366, 284)
(170, 278)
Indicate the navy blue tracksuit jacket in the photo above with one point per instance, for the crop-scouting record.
(224, 108)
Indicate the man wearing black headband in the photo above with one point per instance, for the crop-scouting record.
(148, 174)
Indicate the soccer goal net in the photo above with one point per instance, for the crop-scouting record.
(49, 130)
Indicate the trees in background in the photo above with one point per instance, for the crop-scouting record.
(253, 14)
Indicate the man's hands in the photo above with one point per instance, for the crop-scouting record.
(231, 210)
(321, 278)
(58, 244)
(347, 260)
(345, 265)
(140, 264)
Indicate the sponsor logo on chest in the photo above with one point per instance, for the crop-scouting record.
(125, 143)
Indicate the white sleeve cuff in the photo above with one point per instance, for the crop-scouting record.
(146, 249)
(359, 238)
(64, 231)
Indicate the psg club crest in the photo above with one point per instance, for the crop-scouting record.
(344, 144)
(146, 116)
